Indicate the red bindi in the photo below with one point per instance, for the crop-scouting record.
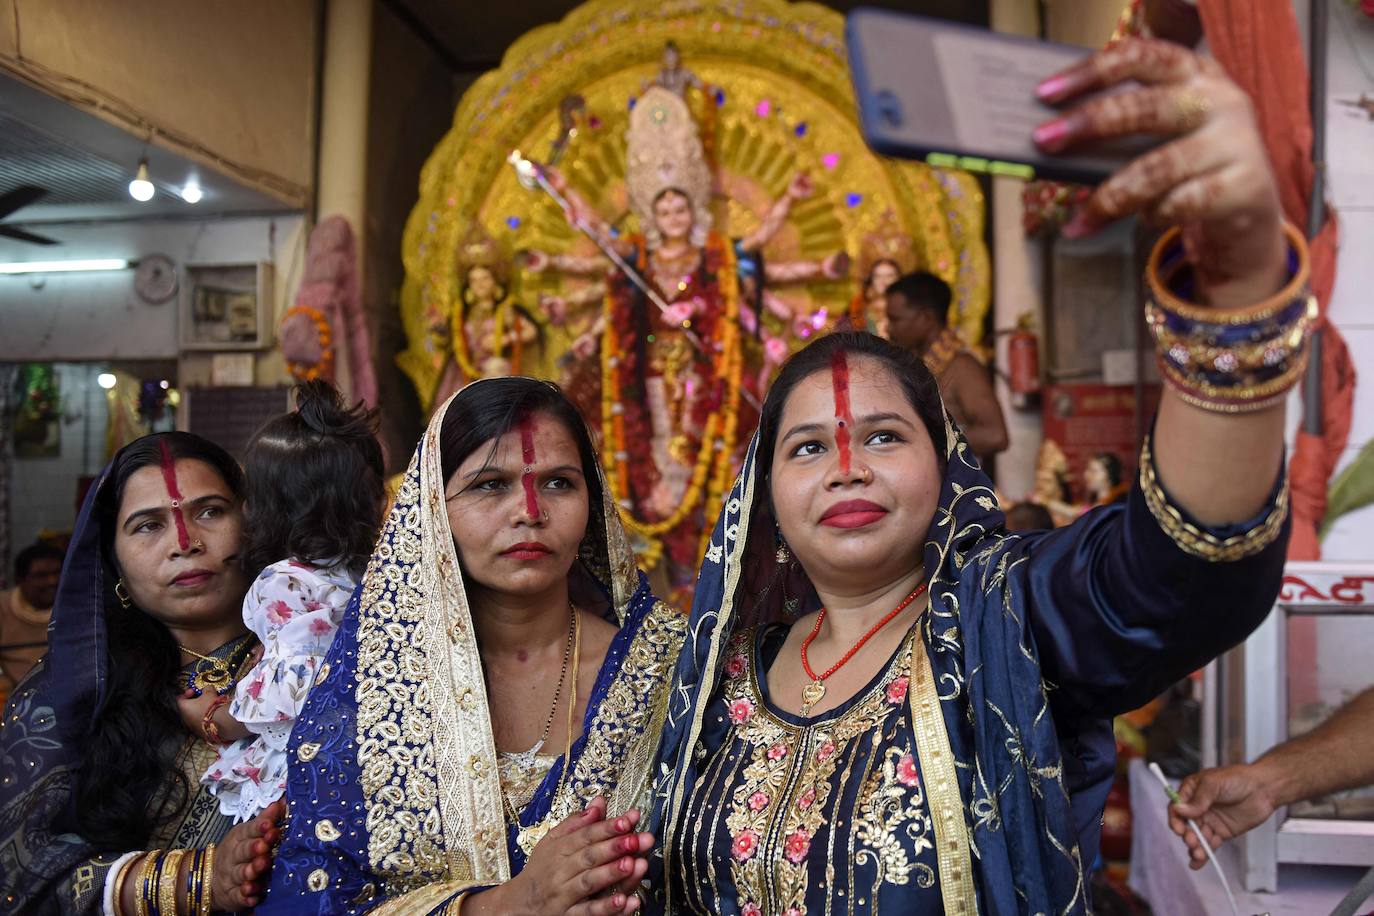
(844, 419)
(527, 455)
(169, 477)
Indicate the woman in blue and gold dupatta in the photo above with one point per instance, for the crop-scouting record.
(99, 767)
(889, 704)
(411, 788)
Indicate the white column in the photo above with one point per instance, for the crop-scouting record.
(1017, 286)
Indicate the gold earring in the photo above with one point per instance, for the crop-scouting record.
(783, 555)
(122, 593)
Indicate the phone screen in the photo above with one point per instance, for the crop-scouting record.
(960, 97)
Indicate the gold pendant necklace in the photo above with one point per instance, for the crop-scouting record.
(529, 837)
(211, 673)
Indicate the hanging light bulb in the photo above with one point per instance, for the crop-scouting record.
(106, 380)
(141, 189)
(191, 193)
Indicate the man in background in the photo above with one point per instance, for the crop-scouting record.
(918, 319)
(25, 610)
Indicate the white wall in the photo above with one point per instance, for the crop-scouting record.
(98, 315)
(1350, 175)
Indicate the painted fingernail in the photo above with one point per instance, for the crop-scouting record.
(627, 865)
(1052, 88)
(621, 824)
(1052, 135)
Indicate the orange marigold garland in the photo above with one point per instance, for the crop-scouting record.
(324, 366)
(713, 466)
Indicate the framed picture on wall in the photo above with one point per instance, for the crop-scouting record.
(226, 306)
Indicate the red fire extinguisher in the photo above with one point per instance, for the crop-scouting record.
(1023, 364)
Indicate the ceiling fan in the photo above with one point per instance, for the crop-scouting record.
(14, 200)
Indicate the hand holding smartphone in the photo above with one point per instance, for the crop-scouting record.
(955, 96)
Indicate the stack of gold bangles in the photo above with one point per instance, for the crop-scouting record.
(1229, 360)
(157, 892)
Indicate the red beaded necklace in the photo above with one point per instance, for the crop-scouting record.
(814, 691)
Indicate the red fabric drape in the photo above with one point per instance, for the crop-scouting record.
(1257, 42)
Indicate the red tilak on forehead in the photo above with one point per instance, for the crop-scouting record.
(527, 455)
(169, 477)
(839, 378)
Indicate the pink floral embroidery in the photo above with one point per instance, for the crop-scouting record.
(250, 773)
(278, 612)
(745, 845)
(806, 799)
(825, 751)
(320, 627)
(798, 844)
(734, 666)
(792, 911)
(255, 688)
(758, 801)
(896, 690)
(777, 751)
(740, 710)
(751, 909)
(907, 774)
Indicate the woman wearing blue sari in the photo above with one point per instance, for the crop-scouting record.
(889, 704)
(497, 686)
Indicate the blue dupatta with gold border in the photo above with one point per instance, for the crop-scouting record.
(1034, 642)
(395, 801)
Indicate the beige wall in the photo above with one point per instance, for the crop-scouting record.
(231, 84)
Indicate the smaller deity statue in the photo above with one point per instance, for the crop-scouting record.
(673, 76)
(488, 333)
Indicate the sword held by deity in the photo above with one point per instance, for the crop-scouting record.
(532, 175)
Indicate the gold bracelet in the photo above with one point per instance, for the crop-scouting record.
(145, 892)
(207, 875)
(167, 883)
(120, 876)
(1249, 314)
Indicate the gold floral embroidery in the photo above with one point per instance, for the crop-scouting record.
(617, 759)
(782, 797)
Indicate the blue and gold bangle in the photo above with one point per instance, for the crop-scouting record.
(1229, 360)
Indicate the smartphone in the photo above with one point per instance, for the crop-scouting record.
(956, 96)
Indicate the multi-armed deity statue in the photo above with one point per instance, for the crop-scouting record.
(688, 228)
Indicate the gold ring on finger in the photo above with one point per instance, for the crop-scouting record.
(1191, 110)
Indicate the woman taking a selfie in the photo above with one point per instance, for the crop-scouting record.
(100, 809)
(482, 730)
(888, 703)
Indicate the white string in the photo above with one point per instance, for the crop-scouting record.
(1206, 847)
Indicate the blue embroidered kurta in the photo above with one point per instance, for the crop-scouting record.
(1035, 642)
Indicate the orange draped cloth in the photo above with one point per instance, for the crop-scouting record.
(1257, 42)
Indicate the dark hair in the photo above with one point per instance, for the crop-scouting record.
(316, 484)
(1112, 465)
(920, 387)
(1029, 516)
(24, 560)
(924, 291)
(486, 411)
(138, 732)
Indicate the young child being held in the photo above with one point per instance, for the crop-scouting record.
(313, 509)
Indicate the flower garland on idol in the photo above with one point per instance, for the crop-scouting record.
(324, 366)
(715, 409)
